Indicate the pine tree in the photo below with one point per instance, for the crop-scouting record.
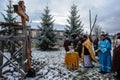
(74, 25)
(9, 17)
(46, 35)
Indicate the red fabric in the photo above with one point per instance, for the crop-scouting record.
(66, 44)
(116, 59)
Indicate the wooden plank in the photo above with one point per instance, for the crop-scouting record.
(21, 71)
(13, 38)
(4, 24)
(14, 54)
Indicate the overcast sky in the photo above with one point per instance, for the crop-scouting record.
(108, 11)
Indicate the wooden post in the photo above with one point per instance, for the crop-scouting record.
(20, 10)
(92, 26)
(1, 63)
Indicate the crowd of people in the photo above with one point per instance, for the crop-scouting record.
(101, 47)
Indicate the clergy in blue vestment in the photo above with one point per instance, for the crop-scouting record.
(104, 54)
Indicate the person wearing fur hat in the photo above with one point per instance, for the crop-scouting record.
(104, 54)
(116, 58)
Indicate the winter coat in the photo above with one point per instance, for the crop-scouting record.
(66, 44)
(116, 59)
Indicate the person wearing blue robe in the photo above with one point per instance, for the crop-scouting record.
(104, 55)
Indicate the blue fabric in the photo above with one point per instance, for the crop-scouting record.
(104, 55)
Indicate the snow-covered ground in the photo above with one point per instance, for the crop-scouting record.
(49, 65)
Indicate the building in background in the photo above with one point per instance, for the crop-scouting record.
(59, 37)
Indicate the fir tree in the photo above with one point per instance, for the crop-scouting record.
(9, 17)
(46, 35)
(74, 25)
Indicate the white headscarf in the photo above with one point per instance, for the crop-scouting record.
(117, 42)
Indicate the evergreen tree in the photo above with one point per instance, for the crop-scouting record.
(46, 35)
(9, 17)
(75, 25)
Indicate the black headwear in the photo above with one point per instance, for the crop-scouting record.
(84, 36)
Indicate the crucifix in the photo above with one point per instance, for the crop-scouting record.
(20, 10)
